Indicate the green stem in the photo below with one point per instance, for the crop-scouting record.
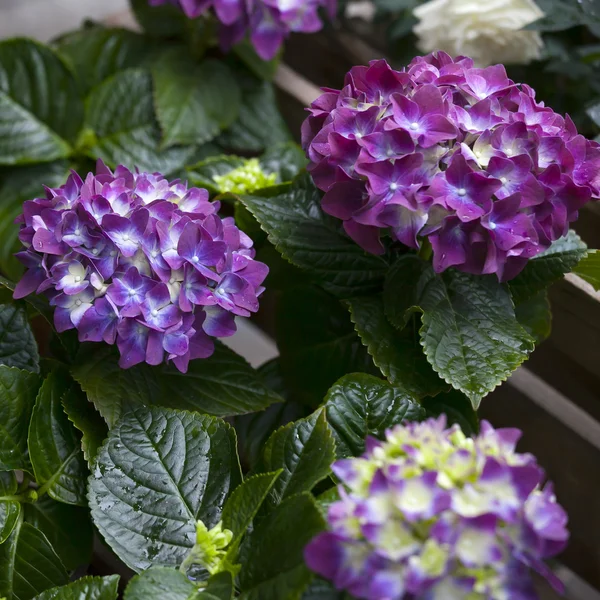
(426, 251)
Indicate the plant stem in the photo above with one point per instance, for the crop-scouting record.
(426, 251)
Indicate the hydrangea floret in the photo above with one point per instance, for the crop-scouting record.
(267, 22)
(134, 259)
(431, 514)
(461, 156)
(245, 179)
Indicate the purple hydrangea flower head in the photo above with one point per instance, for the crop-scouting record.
(135, 260)
(461, 156)
(429, 514)
(266, 22)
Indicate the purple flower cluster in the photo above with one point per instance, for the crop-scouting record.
(462, 156)
(136, 260)
(429, 514)
(268, 22)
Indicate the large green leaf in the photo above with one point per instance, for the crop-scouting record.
(193, 102)
(86, 588)
(398, 354)
(589, 268)
(564, 14)
(272, 558)
(158, 473)
(286, 160)
(457, 408)
(97, 53)
(164, 21)
(312, 240)
(163, 583)
(68, 529)
(40, 108)
(87, 419)
(304, 450)
(317, 342)
(120, 113)
(10, 507)
(259, 124)
(18, 347)
(264, 69)
(535, 316)
(359, 405)
(18, 390)
(54, 445)
(222, 385)
(549, 266)
(16, 185)
(470, 333)
(28, 564)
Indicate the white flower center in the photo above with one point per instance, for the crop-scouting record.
(492, 225)
(503, 180)
(125, 238)
(77, 302)
(393, 187)
(359, 136)
(195, 259)
(95, 251)
(462, 192)
(414, 126)
(509, 151)
(131, 293)
(78, 232)
(77, 279)
(154, 313)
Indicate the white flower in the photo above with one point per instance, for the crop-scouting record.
(489, 31)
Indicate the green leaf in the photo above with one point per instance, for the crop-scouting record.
(39, 303)
(264, 69)
(323, 590)
(158, 473)
(87, 419)
(97, 53)
(398, 354)
(164, 21)
(10, 507)
(304, 450)
(360, 405)
(193, 102)
(163, 583)
(120, 114)
(203, 173)
(535, 316)
(18, 391)
(18, 184)
(549, 266)
(54, 445)
(259, 124)
(470, 333)
(272, 559)
(457, 408)
(86, 588)
(287, 160)
(222, 385)
(564, 14)
(40, 108)
(18, 347)
(28, 564)
(243, 505)
(317, 342)
(589, 268)
(312, 240)
(68, 529)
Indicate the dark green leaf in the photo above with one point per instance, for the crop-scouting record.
(39, 303)
(193, 102)
(28, 564)
(470, 332)
(222, 385)
(120, 114)
(40, 108)
(10, 507)
(398, 354)
(86, 588)
(18, 390)
(203, 173)
(18, 347)
(85, 417)
(55, 447)
(285, 159)
(548, 267)
(265, 69)
(589, 268)
(457, 408)
(68, 529)
(97, 53)
(312, 240)
(535, 316)
(564, 14)
(259, 124)
(323, 590)
(243, 505)
(272, 559)
(304, 450)
(318, 343)
(163, 583)
(359, 405)
(160, 21)
(158, 473)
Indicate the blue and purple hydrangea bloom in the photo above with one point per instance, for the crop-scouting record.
(266, 22)
(461, 156)
(137, 260)
(429, 514)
